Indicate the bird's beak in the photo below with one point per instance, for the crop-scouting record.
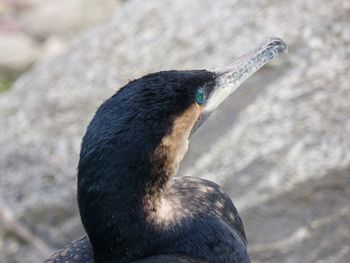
(230, 78)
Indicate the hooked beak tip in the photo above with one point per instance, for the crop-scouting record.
(278, 43)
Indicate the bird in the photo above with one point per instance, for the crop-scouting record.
(132, 203)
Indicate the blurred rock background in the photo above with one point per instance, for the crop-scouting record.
(279, 147)
(34, 31)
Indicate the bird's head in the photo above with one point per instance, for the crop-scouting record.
(160, 111)
(139, 136)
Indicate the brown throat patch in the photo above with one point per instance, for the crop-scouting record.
(167, 158)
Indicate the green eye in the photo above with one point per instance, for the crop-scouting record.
(200, 96)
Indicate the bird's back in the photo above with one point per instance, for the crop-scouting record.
(211, 228)
(206, 199)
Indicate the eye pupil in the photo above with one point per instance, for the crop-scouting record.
(200, 96)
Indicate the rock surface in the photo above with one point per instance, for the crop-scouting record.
(279, 147)
(66, 17)
(33, 31)
(18, 53)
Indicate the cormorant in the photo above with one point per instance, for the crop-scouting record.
(132, 205)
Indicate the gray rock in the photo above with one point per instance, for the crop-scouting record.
(66, 17)
(32, 31)
(279, 147)
(17, 53)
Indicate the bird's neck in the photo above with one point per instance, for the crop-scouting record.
(122, 184)
(165, 164)
(122, 202)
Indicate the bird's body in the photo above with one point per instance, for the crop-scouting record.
(132, 204)
(210, 226)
